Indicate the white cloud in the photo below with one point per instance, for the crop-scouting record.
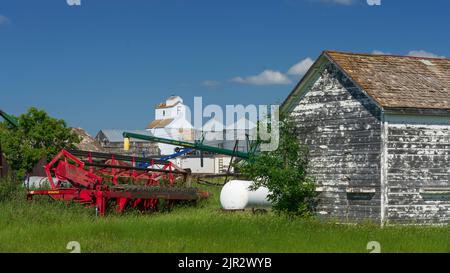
(210, 83)
(272, 77)
(4, 20)
(267, 77)
(301, 67)
(339, 2)
(423, 53)
(343, 2)
(379, 52)
(413, 53)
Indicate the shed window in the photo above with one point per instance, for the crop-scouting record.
(435, 194)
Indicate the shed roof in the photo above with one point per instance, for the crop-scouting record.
(393, 82)
(399, 81)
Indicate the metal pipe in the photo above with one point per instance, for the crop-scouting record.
(197, 146)
(155, 160)
(10, 119)
(133, 168)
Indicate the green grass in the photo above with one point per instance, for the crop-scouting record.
(44, 226)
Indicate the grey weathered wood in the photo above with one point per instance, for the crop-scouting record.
(341, 126)
(418, 158)
(354, 144)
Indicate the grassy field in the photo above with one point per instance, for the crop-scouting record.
(44, 226)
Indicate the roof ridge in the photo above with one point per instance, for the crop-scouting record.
(383, 55)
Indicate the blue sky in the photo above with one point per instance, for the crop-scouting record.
(107, 63)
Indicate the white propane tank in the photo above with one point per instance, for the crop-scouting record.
(36, 182)
(236, 195)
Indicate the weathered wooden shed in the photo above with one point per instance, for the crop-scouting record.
(378, 131)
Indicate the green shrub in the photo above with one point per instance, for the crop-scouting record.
(10, 189)
(37, 136)
(283, 172)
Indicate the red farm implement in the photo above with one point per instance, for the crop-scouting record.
(101, 180)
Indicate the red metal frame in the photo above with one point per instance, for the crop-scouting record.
(113, 182)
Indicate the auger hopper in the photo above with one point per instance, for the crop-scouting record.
(103, 180)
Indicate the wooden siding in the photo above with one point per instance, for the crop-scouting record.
(342, 128)
(418, 151)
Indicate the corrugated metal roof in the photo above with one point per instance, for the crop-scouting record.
(116, 135)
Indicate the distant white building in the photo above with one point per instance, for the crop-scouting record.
(216, 134)
(171, 121)
(212, 164)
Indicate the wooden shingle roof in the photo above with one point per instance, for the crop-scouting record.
(164, 105)
(398, 81)
(159, 123)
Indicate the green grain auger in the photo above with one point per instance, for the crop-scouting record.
(193, 145)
